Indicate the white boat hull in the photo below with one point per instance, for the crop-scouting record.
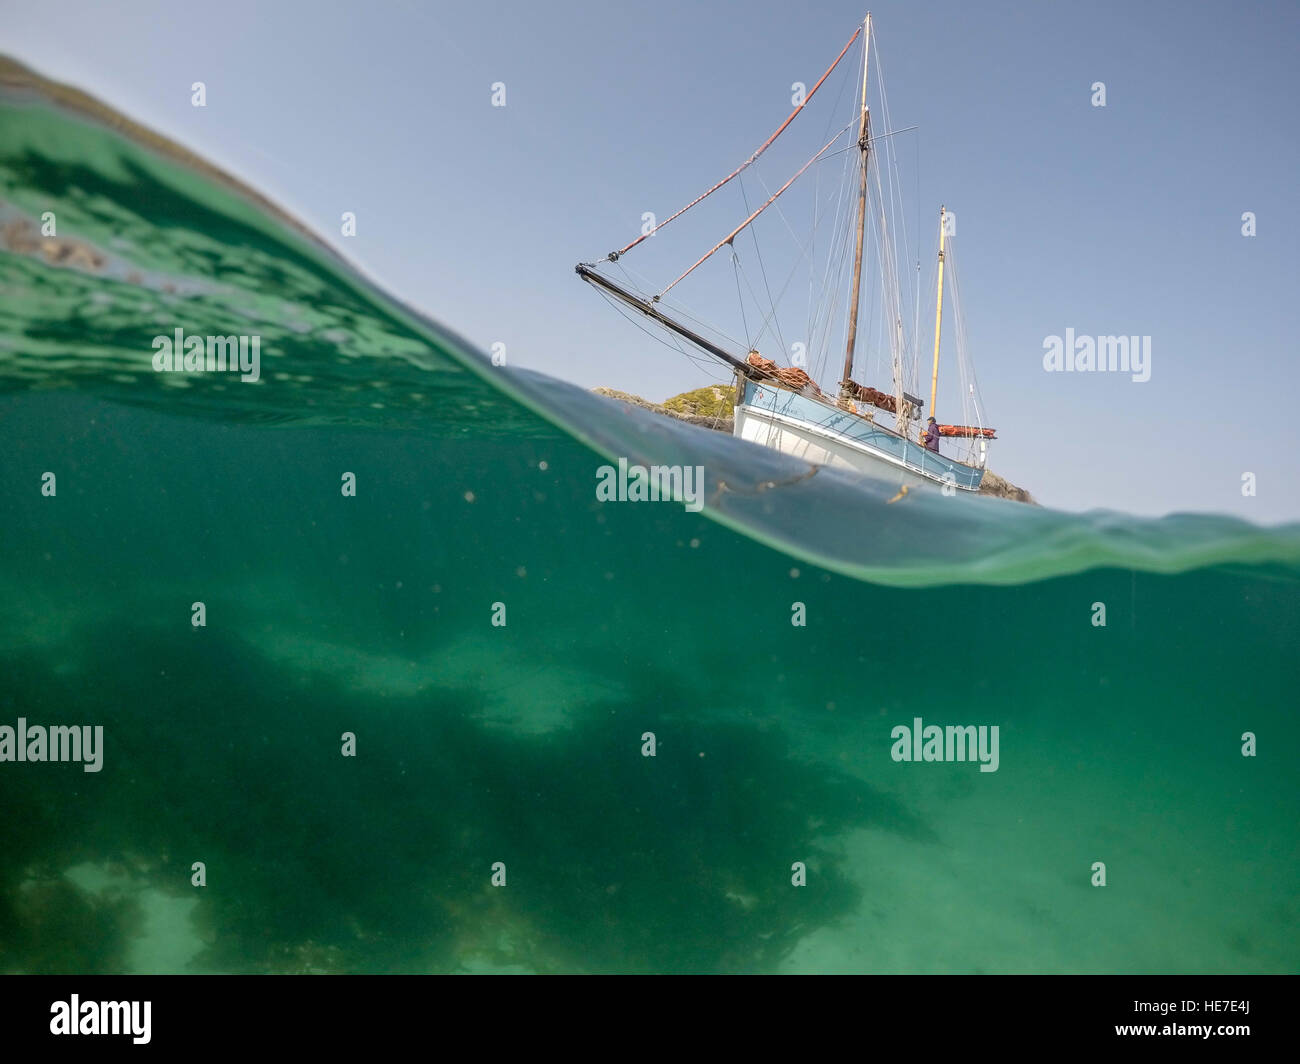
(811, 445)
(819, 432)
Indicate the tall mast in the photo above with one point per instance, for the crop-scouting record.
(864, 145)
(938, 313)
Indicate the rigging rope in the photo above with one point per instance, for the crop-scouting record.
(972, 401)
(805, 250)
(614, 256)
(837, 260)
(744, 321)
(723, 243)
(771, 314)
(709, 365)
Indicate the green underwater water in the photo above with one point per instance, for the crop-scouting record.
(522, 743)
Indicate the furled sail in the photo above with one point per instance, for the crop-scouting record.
(865, 394)
(968, 432)
(790, 376)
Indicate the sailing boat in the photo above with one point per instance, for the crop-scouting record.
(784, 408)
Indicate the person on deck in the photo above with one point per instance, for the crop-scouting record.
(931, 437)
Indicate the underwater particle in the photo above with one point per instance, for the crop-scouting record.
(741, 898)
(521, 572)
(794, 574)
(694, 544)
(542, 465)
(469, 496)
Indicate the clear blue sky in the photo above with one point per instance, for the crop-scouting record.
(1124, 219)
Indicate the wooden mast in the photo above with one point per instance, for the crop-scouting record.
(864, 145)
(938, 314)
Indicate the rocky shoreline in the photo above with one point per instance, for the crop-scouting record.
(710, 408)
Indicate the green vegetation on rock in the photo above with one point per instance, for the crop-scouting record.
(712, 401)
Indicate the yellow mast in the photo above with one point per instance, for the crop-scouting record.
(938, 316)
(864, 145)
